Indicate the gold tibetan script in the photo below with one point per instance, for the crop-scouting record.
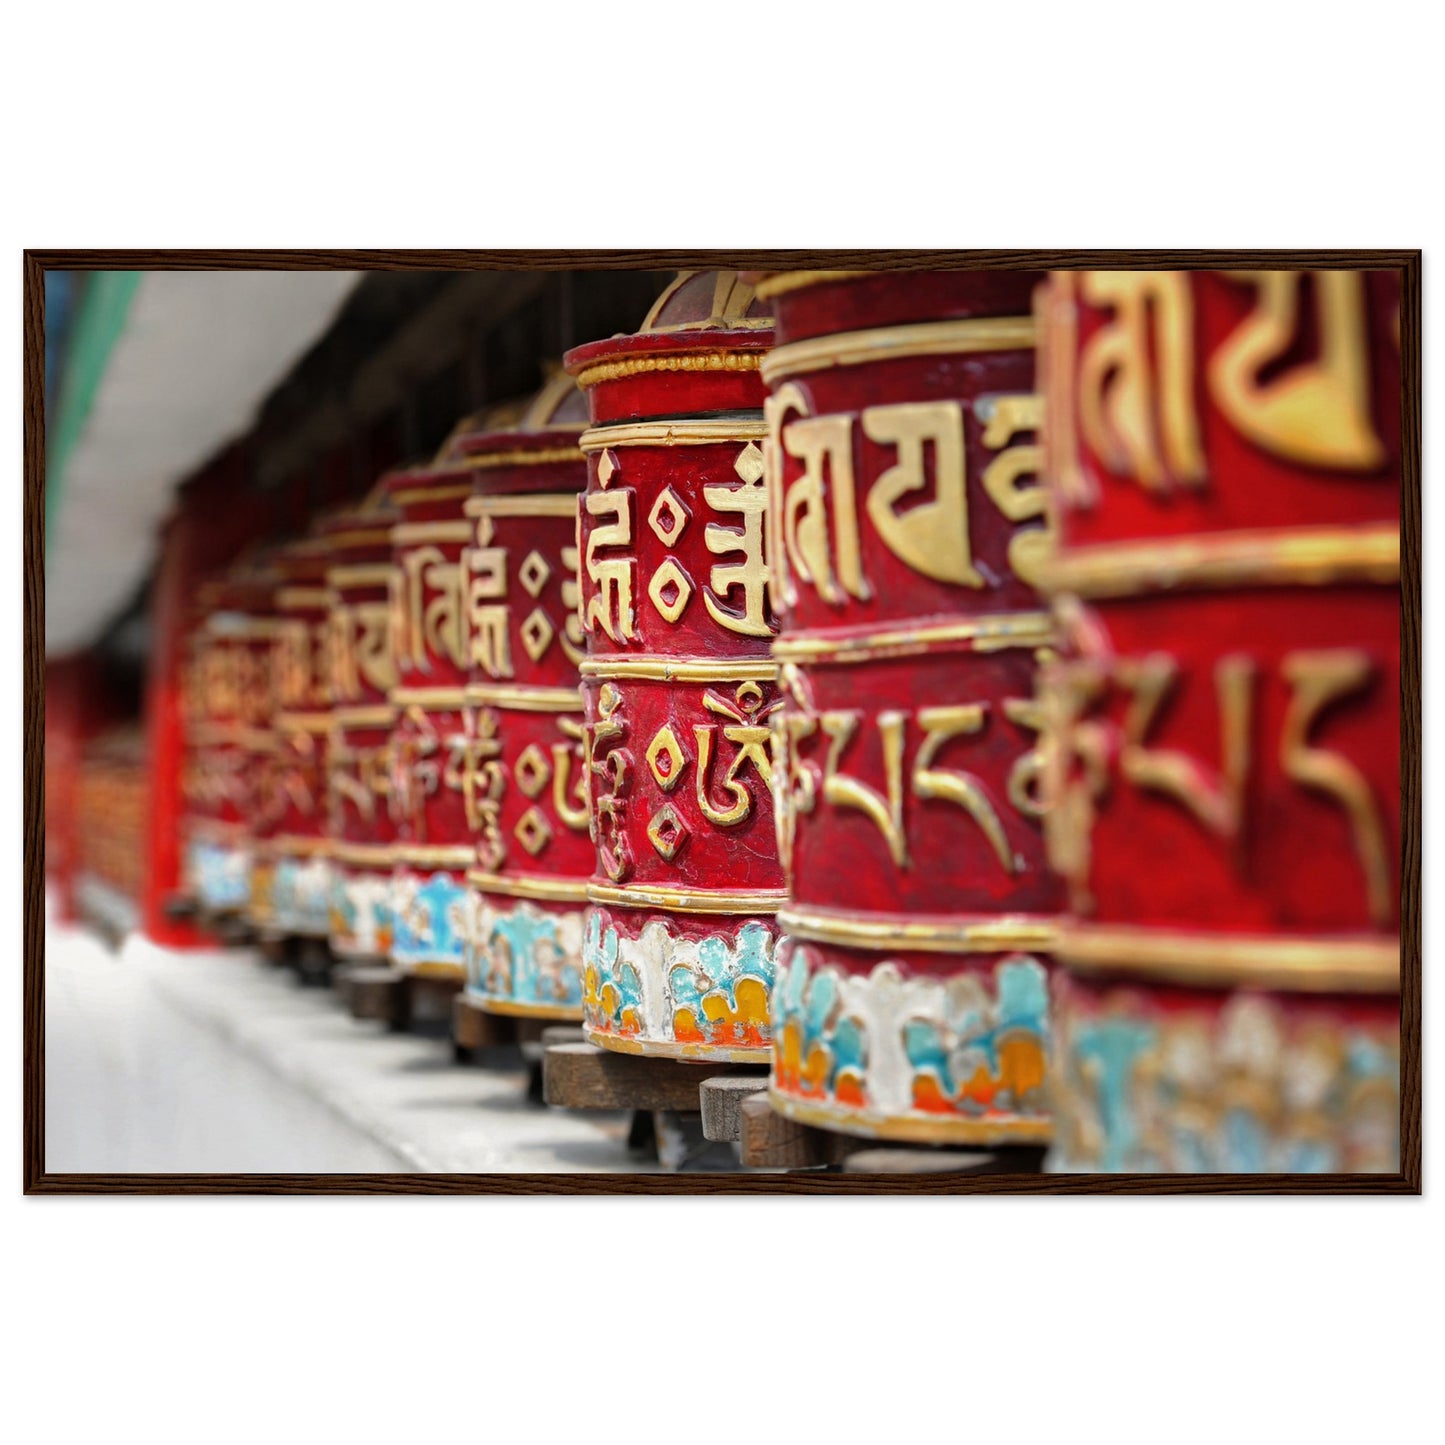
(918, 507)
(610, 607)
(1317, 412)
(1136, 378)
(488, 611)
(434, 608)
(750, 501)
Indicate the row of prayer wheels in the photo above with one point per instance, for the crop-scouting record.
(973, 694)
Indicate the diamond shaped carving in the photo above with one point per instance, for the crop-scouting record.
(668, 517)
(534, 573)
(670, 590)
(666, 832)
(666, 758)
(533, 831)
(749, 465)
(537, 633)
(533, 770)
(606, 468)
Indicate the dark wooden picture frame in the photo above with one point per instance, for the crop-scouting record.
(36, 1179)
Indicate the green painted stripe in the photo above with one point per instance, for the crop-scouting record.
(104, 309)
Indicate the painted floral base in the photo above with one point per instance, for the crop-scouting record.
(361, 915)
(955, 1056)
(429, 920)
(525, 957)
(222, 873)
(685, 986)
(1198, 1081)
(301, 896)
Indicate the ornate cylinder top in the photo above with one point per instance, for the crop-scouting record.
(699, 351)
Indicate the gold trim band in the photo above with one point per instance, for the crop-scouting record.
(405, 533)
(892, 343)
(782, 282)
(451, 493)
(759, 901)
(443, 970)
(673, 434)
(913, 1128)
(236, 627)
(362, 855)
(525, 699)
(368, 538)
(373, 574)
(217, 830)
(547, 504)
(522, 458)
(302, 597)
(693, 361)
(1303, 557)
(522, 885)
(214, 734)
(303, 722)
(293, 846)
(1007, 933)
(458, 856)
(363, 717)
(985, 634)
(671, 1049)
(681, 669)
(438, 699)
(1225, 960)
(509, 1008)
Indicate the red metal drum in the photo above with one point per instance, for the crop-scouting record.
(431, 772)
(253, 596)
(907, 532)
(298, 845)
(679, 681)
(228, 744)
(361, 670)
(1223, 454)
(528, 797)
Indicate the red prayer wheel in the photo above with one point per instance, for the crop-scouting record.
(528, 800)
(255, 623)
(678, 680)
(1223, 455)
(432, 780)
(228, 741)
(361, 671)
(298, 845)
(907, 532)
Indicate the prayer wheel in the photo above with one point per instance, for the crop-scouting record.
(526, 796)
(432, 779)
(229, 741)
(361, 672)
(1223, 457)
(907, 529)
(679, 681)
(298, 845)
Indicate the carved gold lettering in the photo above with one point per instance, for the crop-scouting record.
(1140, 418)
(1320, 679)
(569, 798)
(1029, 550)
(931, 537)
(844, 791)
(1318, 412)
(750, 502)
(940, 724)
(611, 607)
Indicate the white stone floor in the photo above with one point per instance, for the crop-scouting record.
(159, 1061)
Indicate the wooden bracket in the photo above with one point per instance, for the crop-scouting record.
(722, 1098)
(582, 1076)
